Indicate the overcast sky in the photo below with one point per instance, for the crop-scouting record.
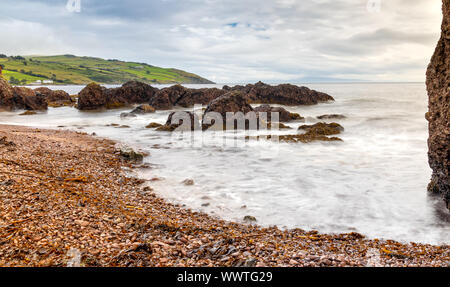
(236, 41)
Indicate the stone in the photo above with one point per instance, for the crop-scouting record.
(438, 81)
(331, 116)
(143, 109)
(232, 102)
(94, 96)
(188, 182)
(249, 219)
(283, 114)
(323, 129)
(55, 98)
(285, 94)
(172, 124)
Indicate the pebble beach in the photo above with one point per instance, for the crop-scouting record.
(71, 199)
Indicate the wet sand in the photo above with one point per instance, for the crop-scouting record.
(69, 199)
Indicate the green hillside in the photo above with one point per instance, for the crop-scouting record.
(69, 69)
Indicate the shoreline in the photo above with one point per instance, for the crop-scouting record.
(67, 201)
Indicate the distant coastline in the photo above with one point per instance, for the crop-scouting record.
(75, 70)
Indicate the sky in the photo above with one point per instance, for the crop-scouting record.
(236, 41)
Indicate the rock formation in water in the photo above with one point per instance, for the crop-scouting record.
(181, 121)
(233, 102)
(283, 114)
(438, 81)
(19, 98)
(55, 98)
(285, 94)
(94, 96)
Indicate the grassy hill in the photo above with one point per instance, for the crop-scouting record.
(69, 69)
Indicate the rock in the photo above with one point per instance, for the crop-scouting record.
(57, 98)
(323, 129)
(283, 114)
(92, 97)
(132, 92)
(232, 102)
(188, 182)
(176, 121)
(13, 98)
(438, 81)
(199, 97)
(249, 218)
(331, 116)
(143, 109)
(129, 154)
(285, 94)
(127, 115)
(178, 95)
(27, 113)
(153, 126)
(27, 99)
(6, 95)
(305, 138)
(166, 98)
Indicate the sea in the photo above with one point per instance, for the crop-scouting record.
(374, 182)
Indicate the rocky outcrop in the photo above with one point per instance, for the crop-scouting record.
(20, 98)
(180, 121)
(94, 96)
(323, 129)
(283, 114)
(331, 117)
(285, 94)
(6, 95)
(232, 102)
(132, 92)
(438, 82)
(166, 98)
(55, 98)
(178, 95)
(200, 97)
(143, 109)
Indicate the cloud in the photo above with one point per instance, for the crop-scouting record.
(236, 40)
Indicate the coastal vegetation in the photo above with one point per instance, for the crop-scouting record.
(74, 70)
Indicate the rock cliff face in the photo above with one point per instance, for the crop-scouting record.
(438, 81)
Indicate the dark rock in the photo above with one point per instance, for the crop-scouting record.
(27, 113)
(249, 218)
(332, 116)
(153, 126)
(129, 154)
(323, 129)
(143, 109)
(188, 182)
(176, 121)
(199, 97)
(92, 97)
(166, 98)
(127, 115)
(283, 114)
(132, 92)
(55, 98)
(27, 99)
(438, 82)
(285, 94)
(6, 95)
(12, 98)
(232, 102)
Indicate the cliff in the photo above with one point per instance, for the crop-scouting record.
(438, 115)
